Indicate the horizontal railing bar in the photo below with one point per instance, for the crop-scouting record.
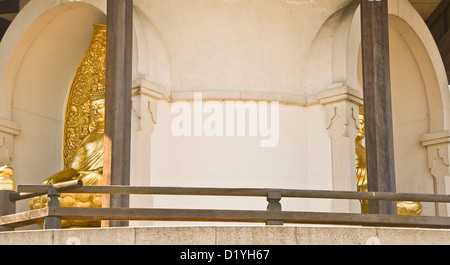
(39, 190)
(289, 193)
(130, 214)
(249, 216)
(117, 189)
(355, 195)
(24, 218)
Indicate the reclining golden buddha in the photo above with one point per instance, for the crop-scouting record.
(83, 132)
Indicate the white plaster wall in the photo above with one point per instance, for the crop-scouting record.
(301, 160)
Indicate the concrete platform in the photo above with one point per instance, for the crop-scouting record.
(230, 235)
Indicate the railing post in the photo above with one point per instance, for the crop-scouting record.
(274, 198)
(53, 222)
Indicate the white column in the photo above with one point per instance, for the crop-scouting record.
(438, 145)
(145, 101)
(8, 129)
(342, 115)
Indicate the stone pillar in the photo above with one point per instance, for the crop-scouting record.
(438, 145)
(145, 106)
(145, 101)
(342, 115)
(8, 129)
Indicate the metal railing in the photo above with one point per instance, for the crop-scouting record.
(53, 214)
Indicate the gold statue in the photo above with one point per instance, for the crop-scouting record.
(6, 180)
(361, 166)
(409, 208)
(403, 207)
(83, 132)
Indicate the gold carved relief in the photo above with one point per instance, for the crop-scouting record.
(90, 75)
(361, 166)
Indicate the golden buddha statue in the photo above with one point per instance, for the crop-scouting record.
(403, 207)
(409, 208)
(83, 132)
(361, 166)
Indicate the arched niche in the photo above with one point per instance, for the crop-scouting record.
(420, 94)
(43, 49)
(40, 54)
(334, 55)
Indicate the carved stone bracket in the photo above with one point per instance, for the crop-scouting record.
(342, 116)
(438, 145)
(145, 96)
(8, 129)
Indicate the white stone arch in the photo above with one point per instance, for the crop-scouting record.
(28, 24)
(407, 22)
(151, 58)
(150, 63)
(328, 52)
(336, 51)
(405, 19)
(40, 53)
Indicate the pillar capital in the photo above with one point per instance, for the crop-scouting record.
(145, 96)
(342, 104)
(341, 109)
(340, 92)
(438, 145)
